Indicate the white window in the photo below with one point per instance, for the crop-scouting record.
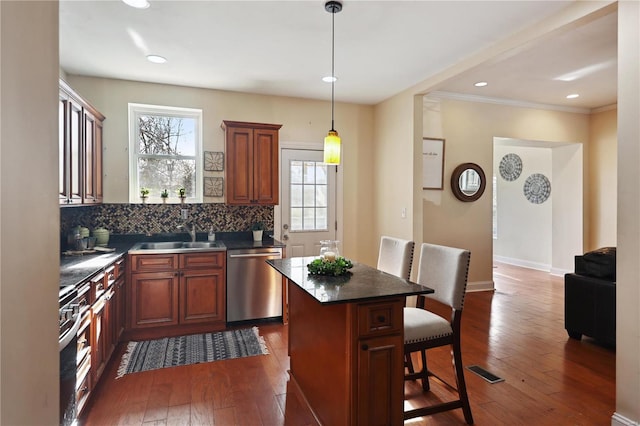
(165, 152)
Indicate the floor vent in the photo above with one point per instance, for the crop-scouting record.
(489, 377)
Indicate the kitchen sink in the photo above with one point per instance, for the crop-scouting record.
(176, 247)
(162, 245)
(201, 244)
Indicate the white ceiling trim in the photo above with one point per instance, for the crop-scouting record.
(507, 102)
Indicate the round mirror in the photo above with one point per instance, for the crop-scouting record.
(468, 182)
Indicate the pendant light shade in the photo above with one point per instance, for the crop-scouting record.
(332, 148)
(332, 141)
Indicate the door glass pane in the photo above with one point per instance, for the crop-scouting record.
(321, 218)
(296, 195)
(321, 195)
(296, 171)
(309, 172)
(309, 196)
(296, 219)
(321, 173)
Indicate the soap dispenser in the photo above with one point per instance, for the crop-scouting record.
(212, 235)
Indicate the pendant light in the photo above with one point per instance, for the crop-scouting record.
(332, 141)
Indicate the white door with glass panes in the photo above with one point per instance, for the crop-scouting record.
(308, 201)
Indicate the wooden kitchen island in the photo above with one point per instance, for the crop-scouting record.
(346, 342)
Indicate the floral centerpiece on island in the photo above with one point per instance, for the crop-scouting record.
(330, 266)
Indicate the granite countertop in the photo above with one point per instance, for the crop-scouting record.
(361, 283)
(75, 269)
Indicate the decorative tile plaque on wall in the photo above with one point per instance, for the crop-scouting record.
(213, 186)
(213, 161)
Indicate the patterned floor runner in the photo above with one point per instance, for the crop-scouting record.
(184, 350)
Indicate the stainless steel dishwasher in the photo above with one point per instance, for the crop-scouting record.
(254, 289)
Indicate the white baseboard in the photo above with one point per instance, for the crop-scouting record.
(523, 263)
(560, 272)
(620, 420)
(480, 286)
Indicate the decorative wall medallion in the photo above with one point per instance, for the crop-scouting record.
(537, 188)
(213, 161)
(510, 167)
(213, 186)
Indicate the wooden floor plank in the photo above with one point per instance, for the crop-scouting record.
(516, 332)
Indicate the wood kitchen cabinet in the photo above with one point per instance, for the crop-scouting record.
(80, 149)
(98, 299)
(176, 293)
(251, 163)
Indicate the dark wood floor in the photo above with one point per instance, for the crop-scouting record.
(516, 333)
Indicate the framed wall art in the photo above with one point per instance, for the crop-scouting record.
(432, 163)
(213, 161)
(213, 186)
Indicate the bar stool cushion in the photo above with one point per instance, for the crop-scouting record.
(421, 325)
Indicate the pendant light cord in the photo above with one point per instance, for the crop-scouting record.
(333, 60)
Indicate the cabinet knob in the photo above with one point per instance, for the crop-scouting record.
(365, 347)
(381, 318)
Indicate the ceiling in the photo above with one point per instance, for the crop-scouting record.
(381, 48)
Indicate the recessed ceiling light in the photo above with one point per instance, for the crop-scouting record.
(329, 79)
(481, 84)
(156, 59)
(138, 4)
(572, 96)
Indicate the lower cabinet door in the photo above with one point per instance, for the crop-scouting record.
(380, 381)
(154, 300)
(202, 296)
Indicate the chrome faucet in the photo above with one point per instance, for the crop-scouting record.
(191, 232)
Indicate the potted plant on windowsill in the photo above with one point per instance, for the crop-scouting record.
(182, 193)
(144, 193)
(164, 195)
(257, 228)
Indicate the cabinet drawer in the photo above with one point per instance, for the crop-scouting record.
(120, 267)
(98, 286)
(154, 262)
(84, 297)
(111, 274)
(379, 318)
(83, 386)
(203, 260)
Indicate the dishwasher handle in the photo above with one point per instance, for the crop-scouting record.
(271, 254)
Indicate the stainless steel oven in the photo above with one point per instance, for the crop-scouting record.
(67, 342)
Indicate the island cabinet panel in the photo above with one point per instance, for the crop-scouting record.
(251, 163)
(174, 294)
(378, 380)
(347, 358)
(154, 299)
(319, 347)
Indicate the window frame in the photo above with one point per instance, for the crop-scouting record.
(135, 110)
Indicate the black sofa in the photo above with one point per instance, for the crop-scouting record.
(590, 297)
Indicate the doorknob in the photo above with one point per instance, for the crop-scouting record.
(285, 237)
(285, 226)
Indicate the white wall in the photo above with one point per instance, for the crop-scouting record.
(524, 229)
(29, 213)
(628, 254)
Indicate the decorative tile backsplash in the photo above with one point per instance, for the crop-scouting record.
(164, 218)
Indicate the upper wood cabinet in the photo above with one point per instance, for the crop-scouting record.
(251, 163)
(80, 149)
